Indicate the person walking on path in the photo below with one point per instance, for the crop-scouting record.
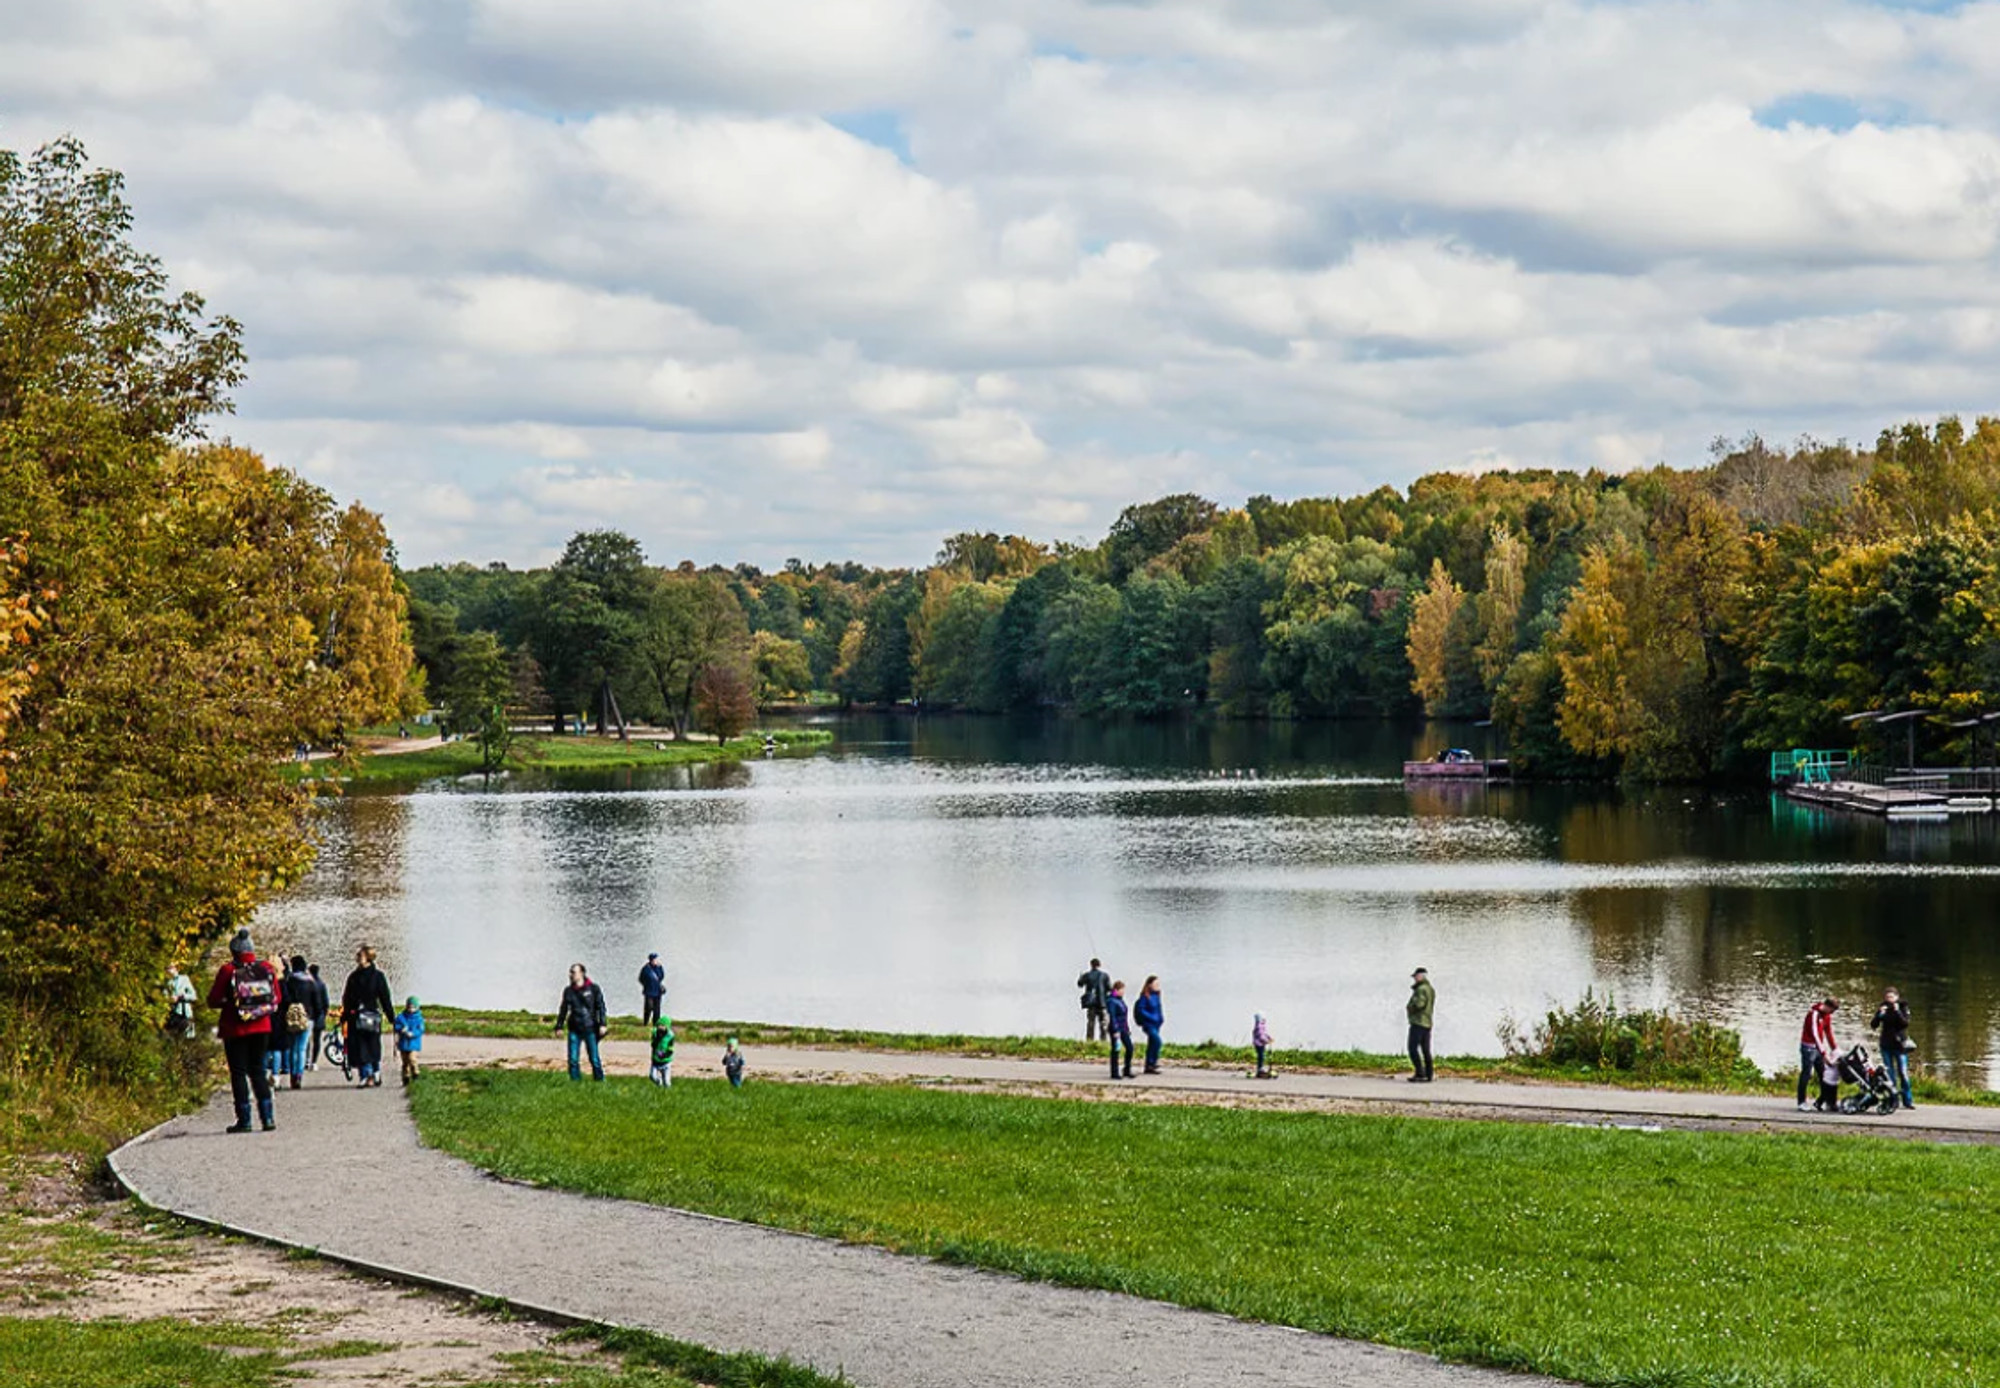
(1817, 1049)
(365, 1008)
(1421, 1009)
(1096, 986)
(245, 991)
(409, 1036)
(732, 1063)
(322, 1005)
(1118, 1027)
(1150, 1013)
(1892, 1025)
(653, 987)
(300, 996)
(180, 1003)
(1260, 1041)
(582, 1014)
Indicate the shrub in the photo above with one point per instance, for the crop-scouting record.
(1646, 1044)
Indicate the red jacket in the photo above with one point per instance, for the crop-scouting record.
(222, 996)
(1818, 1030)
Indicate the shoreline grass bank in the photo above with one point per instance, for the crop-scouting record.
(1606, 1257)
(547, 753)
(446, 1020)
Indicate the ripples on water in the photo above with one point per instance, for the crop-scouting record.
(897, 887)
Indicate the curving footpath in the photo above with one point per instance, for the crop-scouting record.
(345, 1175)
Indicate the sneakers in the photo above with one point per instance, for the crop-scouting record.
(1805, 1108)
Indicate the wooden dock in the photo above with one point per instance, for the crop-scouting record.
(1895, 802)
(1458, 771)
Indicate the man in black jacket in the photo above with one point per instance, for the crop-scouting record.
(582, 1012)
(1096, 985)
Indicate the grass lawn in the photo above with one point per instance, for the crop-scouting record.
(532, 753)
(1617, 1258)
(461, 1021)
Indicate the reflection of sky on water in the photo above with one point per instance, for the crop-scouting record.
(920, 887)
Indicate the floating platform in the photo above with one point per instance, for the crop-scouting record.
(1895, 802)
(1458, 770)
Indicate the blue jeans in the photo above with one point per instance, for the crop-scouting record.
(1897, 1062)
(587, 1038)
(1152, 1048)
(1809, 1068)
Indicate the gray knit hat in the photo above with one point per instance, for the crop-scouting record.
(239, 943)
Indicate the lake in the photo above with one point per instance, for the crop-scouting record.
(956, 874)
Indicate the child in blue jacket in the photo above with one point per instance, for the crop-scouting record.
(409, 1036)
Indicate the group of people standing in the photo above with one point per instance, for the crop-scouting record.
(1819, 1053)
(1105, 1011)
(585, 1018)
(271, 1018)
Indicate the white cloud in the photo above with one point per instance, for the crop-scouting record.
(836, 277)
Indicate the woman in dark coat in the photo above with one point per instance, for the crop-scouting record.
(365, 1008)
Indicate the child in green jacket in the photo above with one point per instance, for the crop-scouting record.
(662, 1072)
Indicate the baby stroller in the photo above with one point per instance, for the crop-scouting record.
(1877, 1095)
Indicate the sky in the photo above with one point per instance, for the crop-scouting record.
(756, 279)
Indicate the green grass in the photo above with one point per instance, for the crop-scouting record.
(461, 1021)
(1620, 1258)
(545, 753)
(50, 1353)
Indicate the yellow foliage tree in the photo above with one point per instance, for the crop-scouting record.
(1500, 604)
(1431, 618)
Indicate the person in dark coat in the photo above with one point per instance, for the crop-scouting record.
(300, 993)
(1118, 1027)
(1096, 986)
(322, 1005)
(365, 1008)
(582, 1014)
(1421, 1010)
(1150, 1012)
(245, 992)
(1892, 1025)
(653, 987)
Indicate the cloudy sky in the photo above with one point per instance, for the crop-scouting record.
(833, 278)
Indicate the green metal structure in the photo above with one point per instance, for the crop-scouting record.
(1806, 766)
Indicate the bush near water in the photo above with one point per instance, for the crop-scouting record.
(1645, 1044)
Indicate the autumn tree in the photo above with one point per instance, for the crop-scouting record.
(784, 670)
(1499, 604)
(22, 611)
(1432, 616)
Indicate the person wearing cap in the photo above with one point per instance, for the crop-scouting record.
(653, 984)
(1420, 1009)
(245, 992)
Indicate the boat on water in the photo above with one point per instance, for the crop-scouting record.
(1457, 764)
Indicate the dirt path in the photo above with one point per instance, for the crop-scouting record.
(381, 1200)
(1445, 1097)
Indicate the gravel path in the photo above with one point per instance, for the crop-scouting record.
(1451, 1097)
(345, 1174)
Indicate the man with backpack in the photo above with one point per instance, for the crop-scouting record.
(246, 993)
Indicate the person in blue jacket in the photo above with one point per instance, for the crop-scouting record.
(1151, 1014)
(1118, 1026)
(652, 987)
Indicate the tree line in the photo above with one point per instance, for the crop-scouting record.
(1665, 624)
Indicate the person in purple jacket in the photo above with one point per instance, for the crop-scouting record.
(1118, 1026)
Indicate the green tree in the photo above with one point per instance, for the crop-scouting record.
(1145, 531)
(784, 670)
(1500, 604)
(476, 700)
(587, 628)
(692, 624)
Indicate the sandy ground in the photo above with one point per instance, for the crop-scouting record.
(163, 1268)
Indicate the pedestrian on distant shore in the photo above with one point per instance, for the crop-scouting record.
(732, 1063)
(1892, 1026)
(366, 1006)
(1817, 1050)
(653, 987)
(1421, 1009)
(180, 1003)
(1150, 1012)
(322, 1006)
(582, 1014)
(1118, 1026)
(299, 997)
(662, 1071)
(1096, 986)
(409, 1037)
(245, 991)
(1260, 1041)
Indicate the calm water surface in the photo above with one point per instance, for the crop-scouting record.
(957, 874)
